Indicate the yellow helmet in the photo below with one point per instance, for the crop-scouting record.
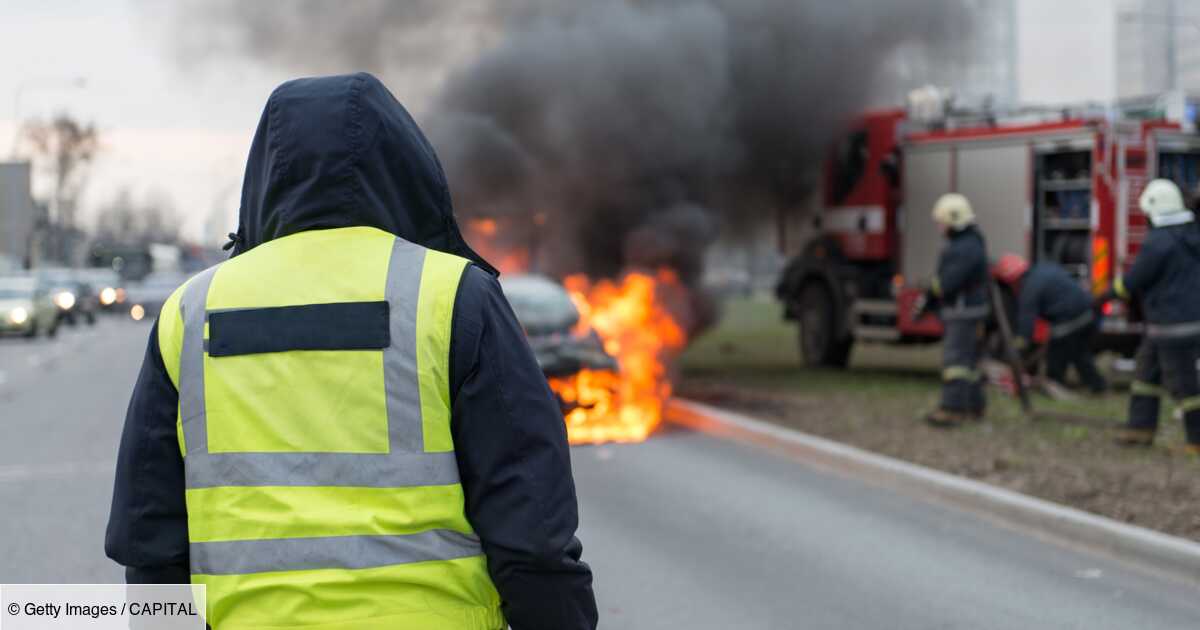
(953, 210)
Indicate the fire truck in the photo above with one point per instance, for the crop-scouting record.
(1057, 186)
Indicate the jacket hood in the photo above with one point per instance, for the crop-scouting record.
(341, 151)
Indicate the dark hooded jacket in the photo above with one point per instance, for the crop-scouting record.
(334, 152)
(1166, 275)
(1049, 292)
(962, 274)
(337, 152)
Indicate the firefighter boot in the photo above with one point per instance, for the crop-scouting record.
(1191, 426)
(1143, 416)
(946, 419)
(1189, 451)
(1134, 436)
(978, 401)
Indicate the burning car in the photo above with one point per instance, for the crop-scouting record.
(604, 348)
(551, 322)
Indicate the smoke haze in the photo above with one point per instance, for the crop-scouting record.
(609, 132)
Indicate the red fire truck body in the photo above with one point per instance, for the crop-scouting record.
(1062, 190)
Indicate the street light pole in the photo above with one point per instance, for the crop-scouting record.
(22, 87)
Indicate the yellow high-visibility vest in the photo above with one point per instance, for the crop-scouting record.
(314, 420)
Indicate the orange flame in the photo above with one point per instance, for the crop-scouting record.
(484, 237)
(484, 227)
(642, 335)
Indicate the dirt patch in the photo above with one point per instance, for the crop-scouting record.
(1066, 457)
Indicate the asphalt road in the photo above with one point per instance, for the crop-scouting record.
(685, 531)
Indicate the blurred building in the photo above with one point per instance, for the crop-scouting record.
(17, 213)
(1158, 47)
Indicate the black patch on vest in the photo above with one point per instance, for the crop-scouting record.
(340, 326)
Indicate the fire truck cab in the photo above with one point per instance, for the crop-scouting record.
(1057, 186)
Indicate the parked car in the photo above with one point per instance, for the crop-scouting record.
(26, 308)
(146, 298)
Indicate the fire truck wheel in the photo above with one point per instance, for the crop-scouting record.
(819, 345)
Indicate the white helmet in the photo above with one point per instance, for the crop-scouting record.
(953, 210)
(1161, 198)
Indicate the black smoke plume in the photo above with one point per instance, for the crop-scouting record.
(612, 132)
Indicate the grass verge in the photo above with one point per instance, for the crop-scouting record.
(750, 363)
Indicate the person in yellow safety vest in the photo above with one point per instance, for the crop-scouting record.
(1165, 277)
(342, 426)
(960, 289)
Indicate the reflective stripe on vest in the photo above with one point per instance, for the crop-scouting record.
(964, 312)
(1173, 331)
(1059, 331)
(237, 557)
(959, 373)
(960, 310)
(365, 523)
(1149, 390)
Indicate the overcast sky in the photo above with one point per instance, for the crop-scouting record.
(183, 132)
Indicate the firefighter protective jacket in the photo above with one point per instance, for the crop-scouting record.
(335, 426)
(1166, 277)
(962, 275)
(1049, 292)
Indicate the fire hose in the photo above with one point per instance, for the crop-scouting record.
(1008, 348)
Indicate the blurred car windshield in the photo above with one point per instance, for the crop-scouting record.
(57, 278)
(101, 277)
(16, 288)
(11, 293)
(540, 303)
(163, 281)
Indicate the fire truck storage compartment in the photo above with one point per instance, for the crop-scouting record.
(994, 175)
(1178, 159)
(1062, 216)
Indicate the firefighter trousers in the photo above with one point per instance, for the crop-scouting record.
(1171, 363)
(962, 384)
(1075, 350)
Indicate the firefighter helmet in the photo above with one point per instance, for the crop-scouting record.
(1010, 268)
(953, 210)
(1160, 198)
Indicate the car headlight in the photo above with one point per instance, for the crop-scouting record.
(108, 295)
(64, 300)
(18, 316)
(137, 312)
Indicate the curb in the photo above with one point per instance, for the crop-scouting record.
(1149, 549)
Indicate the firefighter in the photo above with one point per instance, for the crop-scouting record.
(1047, 291)
(342, 426)
(960, 290)
(1165, 277)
